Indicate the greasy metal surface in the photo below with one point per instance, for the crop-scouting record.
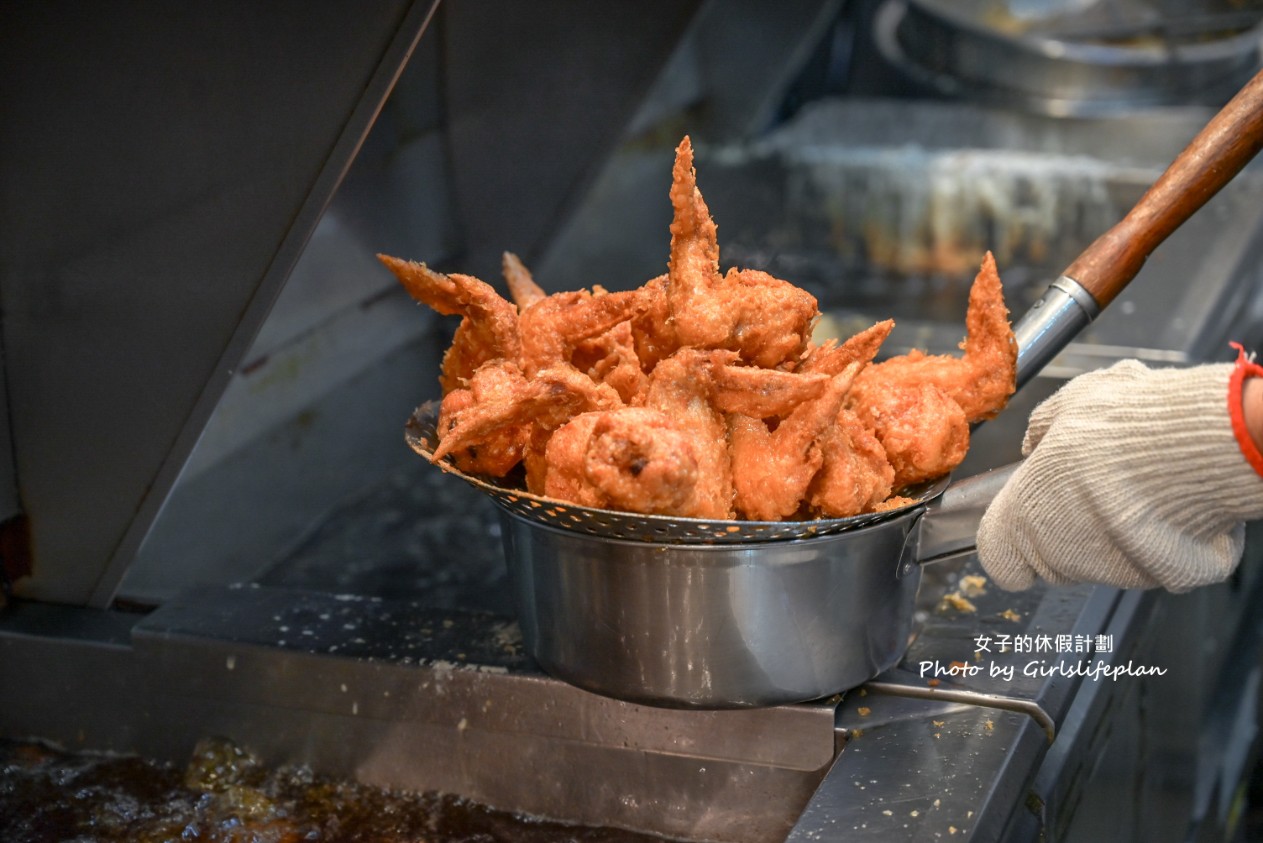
(442, 698)
(393, 694)
(422, 437)
(926, 752)
(954, 48)
(923, 774)
(172, 163)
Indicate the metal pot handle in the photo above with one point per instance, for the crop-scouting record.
(949, 525)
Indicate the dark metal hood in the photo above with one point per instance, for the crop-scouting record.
(164, 166)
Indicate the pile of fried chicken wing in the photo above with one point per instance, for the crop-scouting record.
(702, 394)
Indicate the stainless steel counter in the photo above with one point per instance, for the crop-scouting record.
(389, 692)
(1156, 751)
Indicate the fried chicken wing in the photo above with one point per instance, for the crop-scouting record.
(611, 359)
(773, 466)
(767, 320)
(855, 475)
(652, 329)
(553, 327)
(680, 387)
(700, 394)
(503, 417)
(588, 397)
(981, 380)
(487, 427)
(923, 431)
(633, 459)
(476, 446)
(488, 331)
(831, 358)
(760, 393)
(920, 406)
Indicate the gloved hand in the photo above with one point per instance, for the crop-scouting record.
(1133, 477)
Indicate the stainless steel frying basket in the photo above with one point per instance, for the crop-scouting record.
(422, 436)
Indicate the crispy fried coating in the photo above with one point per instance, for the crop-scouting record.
(553, 327)
(641, 460)
(767, 320)
(500, 418)
(488, 331)
(522, 287)
(923, 431)
(479, 439)
(760, 393)
(920, 406)
(559, 471)
(671, 455)
(632, 459)
(855, 475)
(590, 397)
(981, 380)
(607, 357)
(773, 466)
(699, 394)
(652, 329)
(489, 424)
(832, 358)
(611, 359)
(680, 387)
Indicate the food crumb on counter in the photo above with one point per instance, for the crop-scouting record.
(973, 585)
(955, 601)
(1010, 615)
(864, 711)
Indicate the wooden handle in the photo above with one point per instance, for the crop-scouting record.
(1215, 156)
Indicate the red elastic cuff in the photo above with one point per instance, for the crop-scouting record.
(1246, 367)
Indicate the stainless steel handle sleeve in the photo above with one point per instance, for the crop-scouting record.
(949, 526)
(1061, 313)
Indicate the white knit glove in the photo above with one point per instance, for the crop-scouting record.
(1133, 478)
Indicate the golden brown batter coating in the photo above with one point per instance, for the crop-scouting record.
(553, 327)
(522, 287)
(772, 466)
(699, 394)
(767, 320)
(633, 459)
(855, 476)
(488, 331)
(924, 432)
(981, 380)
